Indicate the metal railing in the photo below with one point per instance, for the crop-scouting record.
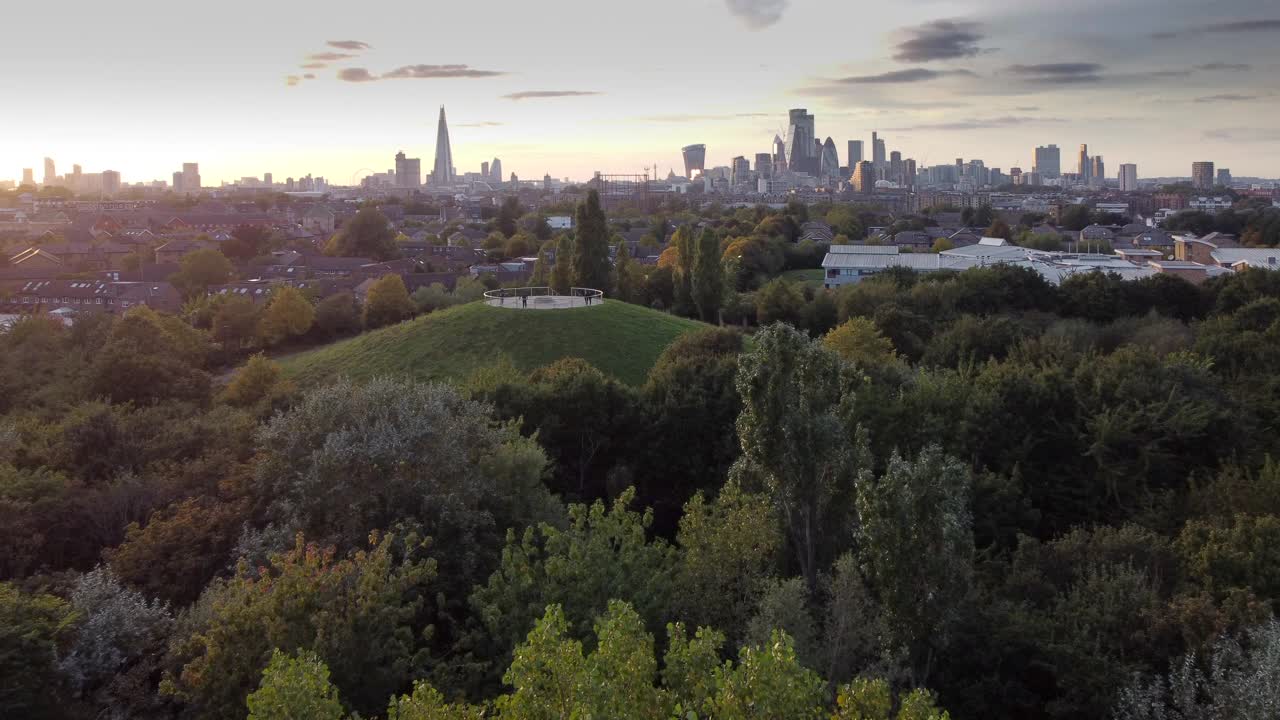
(523, 296)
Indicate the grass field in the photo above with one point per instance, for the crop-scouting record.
(809, 277)
(620, 339)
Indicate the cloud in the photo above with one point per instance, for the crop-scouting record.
(983, 124)
(902, 76)
(1059, 73)
(1241, 26)
(531, 94)
(292, 80)
(349, 44)
(309, 76)
(1244, 134)
(1225, 97)
(1027, 108)
(1213, 67)
(357, 74)
(687, 118)
(315, 66)
(329, 56)
(439, 71)
(939, 40)
(481, 124)
(758, 14)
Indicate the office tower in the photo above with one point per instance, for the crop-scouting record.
(408, 171)
(177, 181)
(484, 169)
(77, 177)
(695, 159)
(191, 177)
(829, 166)
(267, 179)
(495, 167)
(50, 175)
(764, 165)
(855, 153)
(110, 182)
(895, 167)
(1224, 177)
(877, 151)
(28, 176)
(1097, 172)
(546, 182)
(1048, 161)
(1128, 177)
(1202, 175)
(1083, 168)
(959, 169)
(864, 177)
(443, 173)
(910, 173)
(779, 156)
(739, 170)
(801, 151)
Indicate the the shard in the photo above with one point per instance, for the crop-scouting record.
(443, 173)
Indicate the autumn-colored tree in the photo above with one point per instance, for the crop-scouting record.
(288, 315)
(859, 341)
(201, 269)
(387, 302)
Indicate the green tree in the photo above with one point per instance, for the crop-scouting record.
(768, 682)
(793, 439)
(508, 213)
(942, 245)
(337, 315)
(368, 234)
(872, 699)
(624, 281)
(1075, 217)
(34, 629)
(426, 703)
(859, 341)
(387, 302)
(915, 541)
(288, 315)
(235, 320)
(999, 229)
(707, 285)
(541, 276)
(260, 383)
(295, 687)
(591, 247)
(147, 359)
(198, 270)
(684, 249)
(562, 272)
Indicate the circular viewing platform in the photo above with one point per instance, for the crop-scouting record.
(542, 298)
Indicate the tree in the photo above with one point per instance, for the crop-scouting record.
(768, 682)
(562, 272)
(288, 315)
(426, 703)
(387, 302)
(779, 301)
(508, 213)
(148, 359)
(246, 242)
(707, 285)
(942, 245)
(518, 245)
(683, 251)
(915, 542)
(295, 687)
(235, 320)
(793, 439)
(624, 281)
(591, 266)
(337, 315)
(999, 229)
(1075, 217)
(33, 631)
(259, 383)
(859, 341)
(541, 275)
(368, 234)
(200, 269)
(868, 699)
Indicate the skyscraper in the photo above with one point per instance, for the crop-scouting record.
(910, 173)
(191, 177)
(408, 171)
(267, 179)
(695, 159)
(877, 151)
(801, 151)
(495, 168)
(1097, 172)
(484, 170)
(1202, 175)
(28, 176)
(895, 167)
(855, 153)
(1048, 161)
(1224, 177)
(1128, 177)
(443, 173)
(779, 155)
(177, 181)
(739, 170)
(1085, 169)
(50, 175)
(764, 165)
(864, 177)
(829, 166)
(110, 182)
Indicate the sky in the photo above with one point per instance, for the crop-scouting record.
(566, 87)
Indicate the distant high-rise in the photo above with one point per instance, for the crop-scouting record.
(829, 166)
(177, 181)
(495, 168)
(864, 177)
(764, 165)
(779, 155)
(801, 151)
(695, 160)
(1085, 170)
(267, 179)
(408, 171)
(110, 182)
(1128, 177)
(910, 173)
(877, 151)
(739, 170)
(50, 174)
(28, 176)
(855, 153)
(443, 173)
(191, 177)
(1097, 171)
(1224, 177)
(484, 170)
(1202, 175)
(895, 166)
(1048, 161)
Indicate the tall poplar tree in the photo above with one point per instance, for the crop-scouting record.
(708, 277)
(591, 267)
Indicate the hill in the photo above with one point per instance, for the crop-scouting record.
(620, 339)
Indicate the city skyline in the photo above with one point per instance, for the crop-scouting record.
(940, 79)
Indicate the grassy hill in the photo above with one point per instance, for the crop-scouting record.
(620, 339)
